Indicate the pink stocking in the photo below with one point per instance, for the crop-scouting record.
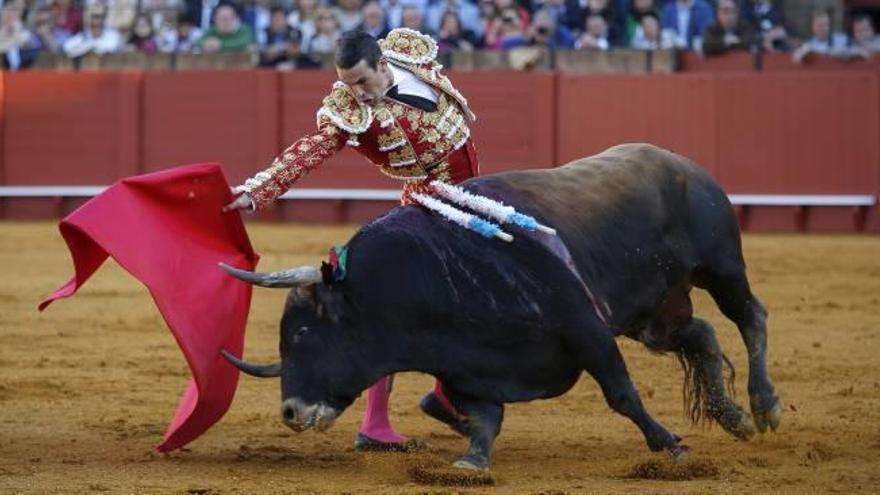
(376, 424)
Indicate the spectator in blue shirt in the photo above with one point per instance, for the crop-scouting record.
(688, 19)
(468, 14)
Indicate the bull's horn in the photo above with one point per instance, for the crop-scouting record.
(295, 277)
(260, 371)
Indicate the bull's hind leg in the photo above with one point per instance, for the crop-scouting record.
(730, 290)
(705, 394)
(600, 357)
(483, 426)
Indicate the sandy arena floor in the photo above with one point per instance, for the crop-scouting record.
(86, 390)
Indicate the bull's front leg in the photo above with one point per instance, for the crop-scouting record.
(484, 425)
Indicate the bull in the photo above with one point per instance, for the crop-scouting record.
(638, 226)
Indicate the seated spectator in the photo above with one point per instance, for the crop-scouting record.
(521, 12)
(120, 13)
(865, 42)
(688, 19)
(50, 37)
(142, 38)
(202, 12)
(18, 46)
(413, 18)
(544, 31)
(649, 36)
(349, 14)
(228, 34)
(394, 10)
(637, 10)
(187, 34)
(595, 36)
(326, 35)
(374, 20)
(767, 20)
(283, 48)
(729, 32)
(505, 31)
(163, 16)
(302, 18)
(557, 10)
(823, 42)
(467, 13)
(95, 38)
(258, 15)
(68, 18)
(580, 10)
(452, 37)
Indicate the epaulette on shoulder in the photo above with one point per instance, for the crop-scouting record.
(409, 46)
(344, 110)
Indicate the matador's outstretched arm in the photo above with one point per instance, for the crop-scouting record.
(300, 158)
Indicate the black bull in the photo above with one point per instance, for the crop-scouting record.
(500, 322)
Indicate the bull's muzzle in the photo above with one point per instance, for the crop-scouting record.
(300, 416)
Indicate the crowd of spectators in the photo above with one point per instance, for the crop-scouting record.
(297, 33)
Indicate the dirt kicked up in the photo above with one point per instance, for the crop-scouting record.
(87, 389)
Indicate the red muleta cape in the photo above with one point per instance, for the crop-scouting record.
(167, 230)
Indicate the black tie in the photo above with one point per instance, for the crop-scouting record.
(412, 100)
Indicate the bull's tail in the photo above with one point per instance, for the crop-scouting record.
(695, 390)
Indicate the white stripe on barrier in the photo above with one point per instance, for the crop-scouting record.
(394, 195)
(802, 200)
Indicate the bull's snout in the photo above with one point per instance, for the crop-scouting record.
(300, 416)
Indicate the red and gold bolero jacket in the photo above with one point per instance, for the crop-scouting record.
(405, 142)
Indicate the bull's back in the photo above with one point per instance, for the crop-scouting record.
(636, 218)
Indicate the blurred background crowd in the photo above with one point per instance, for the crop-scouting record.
(288, 34)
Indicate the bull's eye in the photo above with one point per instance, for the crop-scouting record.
(299, 333)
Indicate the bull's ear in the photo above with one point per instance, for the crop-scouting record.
(327, 273)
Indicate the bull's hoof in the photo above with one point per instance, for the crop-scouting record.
(737, 422)
(433, 407)
(472, 462)
(679, 452)
(766, 411)
(363, 443)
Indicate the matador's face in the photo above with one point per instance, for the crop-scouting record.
(367, 83)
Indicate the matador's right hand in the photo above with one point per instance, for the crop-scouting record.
(242, 202)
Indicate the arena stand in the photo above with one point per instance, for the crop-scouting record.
(796, 147)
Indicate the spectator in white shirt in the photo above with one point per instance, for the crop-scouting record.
(649, 36)
(595, 35)
(94, 38)
(865, 41)
(302, 18)
(824, 41)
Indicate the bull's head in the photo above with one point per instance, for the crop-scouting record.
(315, 387)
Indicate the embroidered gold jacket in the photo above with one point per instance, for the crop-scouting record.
(404, 142)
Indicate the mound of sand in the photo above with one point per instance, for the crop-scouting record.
(672, 470)
(437, 473)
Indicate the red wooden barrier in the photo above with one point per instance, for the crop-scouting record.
(692, 62)
(229, 117)
(676, 112)
(70, 128)
(798, 134)
(782, 62)
(758, 133)
(67, 129)
(516, 119)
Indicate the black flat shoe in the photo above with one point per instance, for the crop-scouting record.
(363, 443)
